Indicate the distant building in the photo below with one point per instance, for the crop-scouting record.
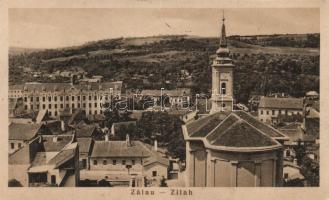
(46, 161)
(57, 97)
(271, 107)
(179, 97)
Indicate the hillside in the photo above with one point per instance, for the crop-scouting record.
(182, 61)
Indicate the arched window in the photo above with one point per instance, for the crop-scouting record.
(223, 88)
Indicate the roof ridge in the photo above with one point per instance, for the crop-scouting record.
(213, 130)
(258, 129)
(230, 127)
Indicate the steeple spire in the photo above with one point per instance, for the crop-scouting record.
(223, 42)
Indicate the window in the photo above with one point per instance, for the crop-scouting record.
(62, 106)
(280, 112)
(288, 152)
(49, 98)
(25, 107)
(78, 105)
(84, 105)
(25, 99)
(89, 112)
(55, 98)
(67, 106)
(61, 98)
(67, 98)
(95, 162)
(267, 112)
(78, 98)
(49, 113)
(89, 98)
(286, 112)
(49, 106)
(43, 98)
(223, 88)
(286, 175)
(55, 105)
(261, 112)
(31, 107)
(37, 98)
(114, 162)
(154, 173)
(73, 105)
(273, 112)
(19, 145)
(104, 162)
(84, 98)
(95, 112)
(89, 105)
(31, 99)
(95, 105)
(56, 113)
(132, 162)
(123, 162)
(95, 97)
(43, 106)
(12, 145)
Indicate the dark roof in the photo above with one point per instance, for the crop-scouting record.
(63, 156)
(294, 131)
(312, 127)
(119, 149)
(23, 131)
(281, 103)
(179, 92)
(50, 144)
(202, 126)
(55, 127)
(85, 131)
(235, 129)
(77, 116)
(84, 144)
(53, 87)
(118, 125)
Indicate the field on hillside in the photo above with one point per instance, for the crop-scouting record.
(180, 61)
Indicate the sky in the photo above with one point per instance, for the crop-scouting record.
(52, 28)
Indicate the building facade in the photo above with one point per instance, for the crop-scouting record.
(270, 108)
(57, 97)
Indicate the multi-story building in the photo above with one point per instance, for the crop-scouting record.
(57, 97)
(271, 107)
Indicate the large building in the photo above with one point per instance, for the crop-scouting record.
(270, 108)
(57, 97)
(231, 148)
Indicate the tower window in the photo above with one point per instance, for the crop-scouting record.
(223, 88)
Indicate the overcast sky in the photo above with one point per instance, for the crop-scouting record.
(49, 28)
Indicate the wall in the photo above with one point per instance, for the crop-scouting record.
(162, 170)
(266, 114)
(137, 168)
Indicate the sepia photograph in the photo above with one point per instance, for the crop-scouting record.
(163, 97)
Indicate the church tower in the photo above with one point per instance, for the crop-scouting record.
(222, 76)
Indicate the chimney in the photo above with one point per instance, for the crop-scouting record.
(62, 125)
(55, 139)
(127, 140)
(155, 145)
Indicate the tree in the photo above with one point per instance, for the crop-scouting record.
(163, 182)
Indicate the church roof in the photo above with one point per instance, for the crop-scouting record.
(233, 131)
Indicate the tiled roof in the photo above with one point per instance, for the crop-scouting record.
(50, 144)
(39, 87)
(202, 126)
(281, 103)
(119, 149)
(23, 131)
(84, 144)
(85, 131)
(235, 129)
(179, 92)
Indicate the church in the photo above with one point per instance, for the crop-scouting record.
(229, 148)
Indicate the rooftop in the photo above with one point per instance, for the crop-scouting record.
(179, 92)
(23, 131)
(281, 103)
